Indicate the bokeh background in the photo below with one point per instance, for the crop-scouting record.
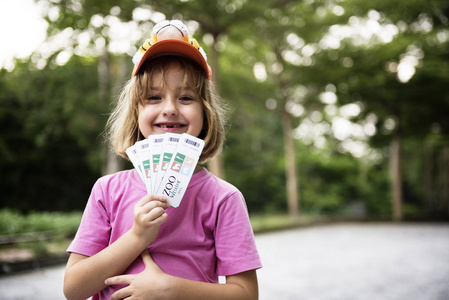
(338, 108)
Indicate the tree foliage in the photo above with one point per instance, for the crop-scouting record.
(313, 59)
(51, 131)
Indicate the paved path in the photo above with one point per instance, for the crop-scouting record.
(41, 284)
(346, 261)
(356, 261)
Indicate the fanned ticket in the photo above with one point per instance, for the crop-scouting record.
(143, 152)
(134, 158)
(181, 169)
(169, 145)
(166, 163)
(155, 142)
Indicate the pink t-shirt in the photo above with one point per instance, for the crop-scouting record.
(208, 235)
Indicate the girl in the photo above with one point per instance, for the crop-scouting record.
(133, 245)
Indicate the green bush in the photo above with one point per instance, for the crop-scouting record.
(13, 222)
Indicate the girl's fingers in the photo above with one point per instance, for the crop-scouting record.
(121, 294)
(155, 213)
(143, 201)
(150, 211)
(147, 208)
(149, 198)
(159, 198)
(146, 257)
(148, 260)
(121, 279)
(161, 219)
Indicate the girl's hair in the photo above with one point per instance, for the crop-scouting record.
(122, 127)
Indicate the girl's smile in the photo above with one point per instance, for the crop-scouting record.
(172, 104)
(169, 126)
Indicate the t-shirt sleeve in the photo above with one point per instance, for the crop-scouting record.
(94, 230)
(234, 238)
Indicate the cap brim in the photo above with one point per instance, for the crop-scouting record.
(174, 47)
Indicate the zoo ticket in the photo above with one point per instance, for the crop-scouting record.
(181, 168)
(143, 152)
(166, 163)
(169, 145)
(155, 142)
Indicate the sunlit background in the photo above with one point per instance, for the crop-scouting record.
(22, 30)
(338, 111)
(27, 32)
(336, 107)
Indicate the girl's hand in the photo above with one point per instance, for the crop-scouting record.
(149, 215)
(151, 283)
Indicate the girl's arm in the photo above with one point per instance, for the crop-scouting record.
(85, 276)
(153, 283)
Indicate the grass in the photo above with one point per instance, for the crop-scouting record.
(42, 234)
(13, 222)
(49, 233)
(271, 222)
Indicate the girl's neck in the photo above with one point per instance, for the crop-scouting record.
(198, 168)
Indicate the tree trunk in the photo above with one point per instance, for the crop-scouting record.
(215, 164)
(290, 166)
(445, 180)
(428, 179)
(396, 176)
(112, 162)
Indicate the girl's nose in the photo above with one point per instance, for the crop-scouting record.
(169, 107)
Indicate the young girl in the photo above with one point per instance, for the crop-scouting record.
(133, 245)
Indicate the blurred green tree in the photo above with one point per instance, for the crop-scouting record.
(46, 142)
(289, 70)
(397, 69)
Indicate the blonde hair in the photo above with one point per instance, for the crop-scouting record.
(122, 128)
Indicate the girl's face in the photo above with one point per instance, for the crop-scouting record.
(172, 105)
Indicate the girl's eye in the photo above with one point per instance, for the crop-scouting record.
(186, 98)
(152, 98)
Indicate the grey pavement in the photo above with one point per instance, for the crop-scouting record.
(345, 261)
(39, 284)
(356, 261)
